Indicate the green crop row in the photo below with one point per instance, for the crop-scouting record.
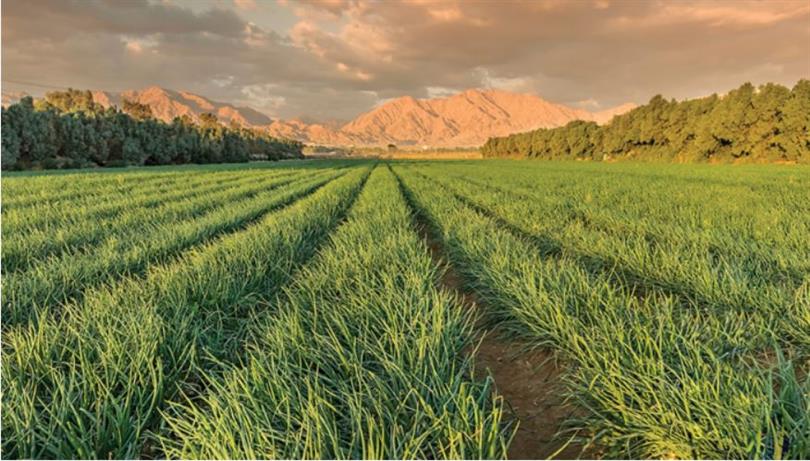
(55, 216)
(39, 190)
(58, 280)
(656, 378)
(294, 310)
(22, 249)
(36, 188)
(91, 382)
(359, 358)
(690, 272)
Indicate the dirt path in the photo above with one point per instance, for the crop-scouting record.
(529, 381)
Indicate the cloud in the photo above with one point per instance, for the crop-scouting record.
(515, 84)
(138, 45)
(133, 17)
(590, 104)
(737, 13)
(134, 46)
(441, 91)
(264, 97)
(337, 58)
(223, 81)
(245, 4)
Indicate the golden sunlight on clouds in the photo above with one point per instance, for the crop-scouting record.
(245, 4)
(730, 13)
(134, 47)
(343, 56)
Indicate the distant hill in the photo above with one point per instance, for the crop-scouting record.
(168, 104)
(607, 115)
(11, 97)
(465, 119)
(315, 133)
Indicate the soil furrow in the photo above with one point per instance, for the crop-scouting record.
(530, 380)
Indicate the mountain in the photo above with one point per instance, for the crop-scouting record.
(468, 118)
(12, 97)
(313, 133)
(465, 119)
(607, 114)
(168, 104)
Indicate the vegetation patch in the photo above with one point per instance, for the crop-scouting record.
(335, 309)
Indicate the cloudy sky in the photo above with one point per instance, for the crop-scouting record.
(333, 59)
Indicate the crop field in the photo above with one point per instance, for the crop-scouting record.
(407, 309)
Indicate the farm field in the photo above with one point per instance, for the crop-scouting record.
(407, 309)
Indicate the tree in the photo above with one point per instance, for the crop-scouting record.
(209, 121)
(764, 124)
(132, 152)
(137, 110)
(10, 141)
(70, 101)
(37, 131)
(67, 129)
(795, 125)
(765, 136)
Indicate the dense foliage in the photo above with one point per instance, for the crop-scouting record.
(69, 130)
(682, 314)
(295, 310)
(764, 124)
(130, 337)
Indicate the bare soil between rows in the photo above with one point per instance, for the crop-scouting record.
(528, 380)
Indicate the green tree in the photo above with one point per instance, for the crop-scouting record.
(763, 124)
(10, 139)
(137, 110)
(795, 124)
(209, 121)
(70, 101)
(132, 152)
(69, 129)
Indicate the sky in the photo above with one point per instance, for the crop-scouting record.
(334, 59)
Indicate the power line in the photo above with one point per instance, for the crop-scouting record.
(57, 87)
(41, 85)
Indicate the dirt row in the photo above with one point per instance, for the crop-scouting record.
(529, 380)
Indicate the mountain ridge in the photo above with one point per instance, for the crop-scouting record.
(464, 119)
(467, 118)
(167, 104)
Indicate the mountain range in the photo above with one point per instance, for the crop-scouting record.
(168, 104)
(465, 119)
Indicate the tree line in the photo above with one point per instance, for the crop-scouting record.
(67, 129)
(764, 124)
